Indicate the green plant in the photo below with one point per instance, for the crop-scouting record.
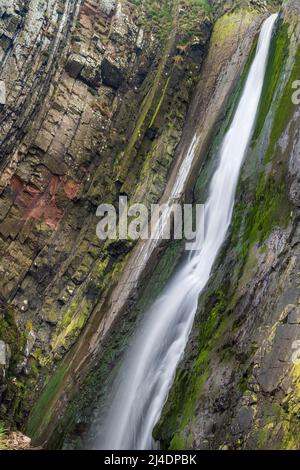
(3, 433)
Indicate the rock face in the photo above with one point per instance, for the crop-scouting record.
(241, 371)
(100, 98)
(94, 107)
(15, 441)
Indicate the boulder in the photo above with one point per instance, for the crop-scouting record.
(17, 441)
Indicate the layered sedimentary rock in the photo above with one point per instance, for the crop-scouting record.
(96, 98)
(101, 100)
(239, 381)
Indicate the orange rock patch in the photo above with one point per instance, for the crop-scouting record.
(71, 189)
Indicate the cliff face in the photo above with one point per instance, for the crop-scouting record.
(102, 98)
(96, 98)
(238, 386)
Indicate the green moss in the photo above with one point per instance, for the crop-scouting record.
(191, 12)
(15, 392)
(280, 428)
(270, 208)
(159, 14)
(277, 58)
(252, 222)
(264, 436)
(43, 409)
(186, 392)
(208, 327)
(243, 383)
(290, 414)
(96, 385)
(34, 368)
(3, 435)
(177, 443)
(72, 324)
(159, 103)
(81, 307)
(285, 108)
(188, 386)
(209, 330)
(226, 26)
(10, 334)
(175, 20)
(152, 99)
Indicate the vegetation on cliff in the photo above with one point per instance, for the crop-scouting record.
(105, 110)
(263, 205)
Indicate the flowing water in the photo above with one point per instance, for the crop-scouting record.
(147, 373)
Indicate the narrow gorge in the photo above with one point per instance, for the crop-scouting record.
(130, 343)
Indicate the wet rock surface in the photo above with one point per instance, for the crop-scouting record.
(93, 100)
(95, 106)
(253, 332)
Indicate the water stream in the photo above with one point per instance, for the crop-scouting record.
(147, 373)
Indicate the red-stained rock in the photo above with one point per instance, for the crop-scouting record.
(71, 189)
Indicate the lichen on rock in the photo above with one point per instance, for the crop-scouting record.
(101, 100)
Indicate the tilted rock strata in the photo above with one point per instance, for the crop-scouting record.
(95, 106)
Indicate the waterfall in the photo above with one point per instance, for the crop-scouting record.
(147, 373)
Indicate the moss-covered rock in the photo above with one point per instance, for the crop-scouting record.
(248, 382)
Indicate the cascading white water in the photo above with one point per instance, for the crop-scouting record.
(147, 373)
